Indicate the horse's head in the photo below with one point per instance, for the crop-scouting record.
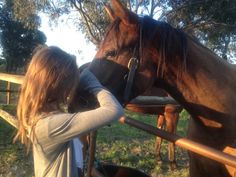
(122, 46)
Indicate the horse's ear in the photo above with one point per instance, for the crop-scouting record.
(123, 13)
(110, 12)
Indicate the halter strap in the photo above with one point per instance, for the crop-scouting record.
(133, 66)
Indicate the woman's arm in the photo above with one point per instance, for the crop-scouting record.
(63, 127)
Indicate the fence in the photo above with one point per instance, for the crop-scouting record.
(10, 78)
(185, 143)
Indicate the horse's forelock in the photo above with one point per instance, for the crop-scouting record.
(116, 36)
(113, 26)
(113, 32)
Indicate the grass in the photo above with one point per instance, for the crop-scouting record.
(118, 143)
(128, 146)
(13, 159)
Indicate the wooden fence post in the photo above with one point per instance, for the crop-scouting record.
(8, 92)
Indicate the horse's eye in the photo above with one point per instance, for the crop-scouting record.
(111, 53)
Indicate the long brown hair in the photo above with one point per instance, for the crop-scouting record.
(50, 78)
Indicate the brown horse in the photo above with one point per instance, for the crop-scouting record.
(193, 75)
(167, 119)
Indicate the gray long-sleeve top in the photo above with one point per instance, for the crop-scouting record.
(52, 146)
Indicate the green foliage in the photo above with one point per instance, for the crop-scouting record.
(17, 41)
(212, 22)
(92, 19)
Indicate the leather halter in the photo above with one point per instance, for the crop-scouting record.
(133, 66)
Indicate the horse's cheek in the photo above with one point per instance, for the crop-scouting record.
(144, 80)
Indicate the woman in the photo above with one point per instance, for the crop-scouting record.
(49, 84)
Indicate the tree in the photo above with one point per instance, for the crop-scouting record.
(17, 40)
(212, 22)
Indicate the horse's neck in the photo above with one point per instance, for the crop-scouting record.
(207, 81)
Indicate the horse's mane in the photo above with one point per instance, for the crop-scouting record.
(171, 43)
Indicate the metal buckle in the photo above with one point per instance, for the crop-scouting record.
(133, 62)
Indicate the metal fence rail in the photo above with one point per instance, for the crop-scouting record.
(185, 143)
